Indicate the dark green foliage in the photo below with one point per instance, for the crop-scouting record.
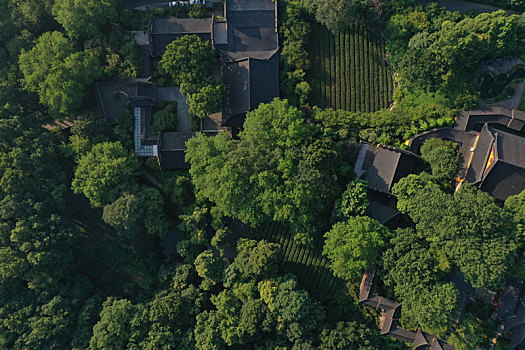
(389, 127)
(468, 335)
(434, 50)
(516, 206)
(197, 11)
(119, 326)
(432, 309)
(354, 245)
(466, 226)
(294, 32)
(57, 73)
(349, 335)
(442, 157)
(208, 99)
(294, 168)
(336, 15)
(210, 268)
(124, 130)
(257, 259)
(83, 18)
(105, 172)
(163, 121)
(87, 131)
(354, 201)
(188, 60)
(123, 214)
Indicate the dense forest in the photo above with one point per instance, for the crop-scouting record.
(274, 230)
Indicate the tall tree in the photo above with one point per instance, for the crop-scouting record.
(188, 60)
(84, 17)
(57, 73)
(442, 157)
(354, 245)
(281, 169)
(105, 172)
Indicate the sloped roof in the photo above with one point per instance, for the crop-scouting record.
(516, 325)
(174, 25)
(505, 174)
(382, 166)
(250, 81)
(511, 118)
(382, 213)
(509, 299)
(172, 149)
(164, 30)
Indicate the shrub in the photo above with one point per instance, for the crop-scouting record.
(442, 157)
(164, 121)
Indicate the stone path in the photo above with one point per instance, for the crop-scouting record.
(172, 93)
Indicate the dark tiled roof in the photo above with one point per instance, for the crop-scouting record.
(515, 326)
(474, 119)
(383, 166)
(480, 157)
(113, 99)
(504, 180)
(420, 341)
(174, 25)
(510, 147)
(509, 299)
(164, 30)
(249, 5)
(382, 213)
(254, 39)
(172, 148)
(366, 289)
(506, 175)
(159, 42)
(250, 82)
(251, 18)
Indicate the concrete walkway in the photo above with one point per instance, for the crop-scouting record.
(502, 66)
(172, 93)
(511, 103)
(464, 6)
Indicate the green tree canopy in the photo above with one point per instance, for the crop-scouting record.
(209, 99)
(210, 268)
(121, 325)
(188, 60)
(164, 120)
(280, 169)
(87, 131)
(349, 335)
(432, 309)
(354, 201)
(466, 225)
(442, 157)
(84, 17)
(354, 245)
(468, 335)
(257, 259)
(336, 15)
(105, 172)
(57, 73)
